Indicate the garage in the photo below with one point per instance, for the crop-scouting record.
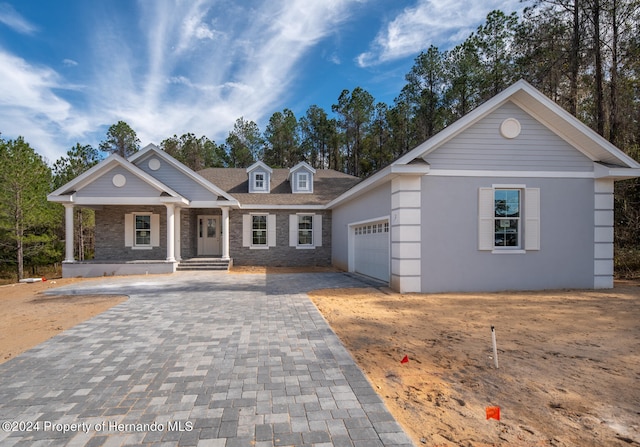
(371, 249)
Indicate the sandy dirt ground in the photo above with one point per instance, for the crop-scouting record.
(28, 317)
(569, 363)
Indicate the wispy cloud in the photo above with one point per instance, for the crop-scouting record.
(11, 18)
(28, 101)
(204, 67)
(442, 23)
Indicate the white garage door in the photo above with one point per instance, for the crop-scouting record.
(371, 249)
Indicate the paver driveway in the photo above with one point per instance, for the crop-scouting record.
(206, 359)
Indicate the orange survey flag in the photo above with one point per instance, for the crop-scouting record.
(493, 413)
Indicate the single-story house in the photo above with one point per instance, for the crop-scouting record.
(516, 195)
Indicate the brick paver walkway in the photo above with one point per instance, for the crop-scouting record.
(196, 359)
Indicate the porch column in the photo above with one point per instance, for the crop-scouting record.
(68, 222)
(225, 232)
(176, 238)
(170, 232)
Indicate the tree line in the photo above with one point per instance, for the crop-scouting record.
(583, 54)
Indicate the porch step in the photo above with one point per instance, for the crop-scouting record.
(203, 264)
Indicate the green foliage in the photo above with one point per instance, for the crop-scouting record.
(121, 139)
(282, 140)
(27, 220)
(244, 143)
(196, 153)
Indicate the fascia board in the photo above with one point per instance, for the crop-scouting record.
(282, 207)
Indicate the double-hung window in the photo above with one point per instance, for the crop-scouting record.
(305, 229)
(259, 181)
(303, 181)
(259, 230)
(509, 219)
(143, 230)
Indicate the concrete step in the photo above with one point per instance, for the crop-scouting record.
(203, 264)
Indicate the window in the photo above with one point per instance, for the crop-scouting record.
(259, 230)
(259, 180)
(143, 230)
(507, 218)
(305, 229)
(303, 181)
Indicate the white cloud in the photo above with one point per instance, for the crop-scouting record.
(443, 23)
(177, 67)
(69, 63)
(10, 17)
(30, 106)
(203, 67)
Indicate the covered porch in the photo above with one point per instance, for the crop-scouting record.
(147, 239)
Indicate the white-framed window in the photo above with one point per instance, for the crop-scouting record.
(259, 181)
(303, 181)
(507, 231)
(141, 230)
(509, 219)
(259, 230)
(305, 230)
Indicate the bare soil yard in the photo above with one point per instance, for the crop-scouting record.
(569, 363)
(27, 317)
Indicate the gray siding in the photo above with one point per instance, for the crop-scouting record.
(110, 234)
(282, 255)
(376, 203)
(176, 180)
(451, 260)
(103, 186)
(481, 146)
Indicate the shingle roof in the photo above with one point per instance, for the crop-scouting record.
(327, 185)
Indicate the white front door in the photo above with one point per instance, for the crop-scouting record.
(209, 236)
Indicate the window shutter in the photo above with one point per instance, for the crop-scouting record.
(317, 230)
(293, 230)
(271, 230)
(155, 230)
(532, 219)
(128, 230)
(486, 214)
(246, 230)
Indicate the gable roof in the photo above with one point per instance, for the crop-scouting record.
(66, 193)
(152, 148)
(550, 114)
(328, 185)
(609, 161)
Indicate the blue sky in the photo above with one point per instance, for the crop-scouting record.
(71, 68)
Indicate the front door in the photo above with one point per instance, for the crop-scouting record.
(209, 236)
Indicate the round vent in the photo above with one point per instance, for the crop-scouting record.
(119, 180)
(510, 128)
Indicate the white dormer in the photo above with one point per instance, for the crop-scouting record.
(301, 178)
(259, 177)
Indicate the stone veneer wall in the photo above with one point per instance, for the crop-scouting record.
(282, 254)
(110, 234)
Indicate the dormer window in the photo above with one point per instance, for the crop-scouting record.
(259, 181)
(259, 177)
(303, 181)
(301, 178)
